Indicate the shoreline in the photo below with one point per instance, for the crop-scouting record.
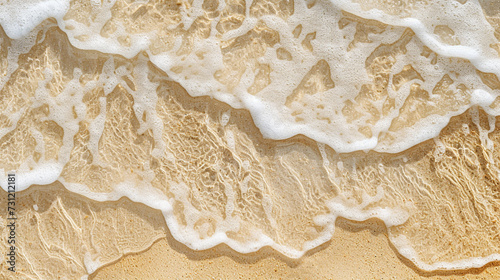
(357, 250)
(350, 240)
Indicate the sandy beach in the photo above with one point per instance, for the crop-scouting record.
(264, 139)
(357, 251)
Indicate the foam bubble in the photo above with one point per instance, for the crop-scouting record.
(44, 174)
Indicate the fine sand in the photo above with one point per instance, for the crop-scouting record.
(357, 251)
(139, 154)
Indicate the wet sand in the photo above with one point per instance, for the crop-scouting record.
(357, 251)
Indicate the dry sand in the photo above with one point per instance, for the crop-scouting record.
(357, 251)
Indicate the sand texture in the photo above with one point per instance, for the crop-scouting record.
(244, 140)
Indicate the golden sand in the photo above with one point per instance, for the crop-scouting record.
(214, 171)
(357, 251)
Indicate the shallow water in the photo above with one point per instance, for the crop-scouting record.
(255, 123)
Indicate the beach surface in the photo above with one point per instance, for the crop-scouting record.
(250, 139)
(356, 251)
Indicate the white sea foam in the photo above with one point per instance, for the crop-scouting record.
(19, 17)
(273, 119)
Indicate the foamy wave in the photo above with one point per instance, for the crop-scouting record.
(295, 79)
